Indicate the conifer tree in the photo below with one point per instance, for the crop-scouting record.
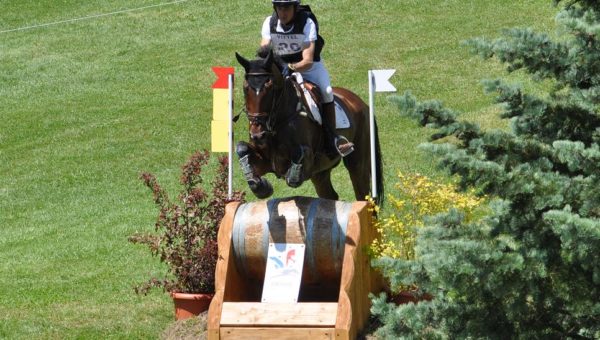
(531, 268)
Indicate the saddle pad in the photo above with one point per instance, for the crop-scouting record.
(341, 118)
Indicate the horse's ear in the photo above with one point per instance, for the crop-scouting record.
(243, 61)
(268, 60)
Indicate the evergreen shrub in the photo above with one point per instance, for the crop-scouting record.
(530, 269)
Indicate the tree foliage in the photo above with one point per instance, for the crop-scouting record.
(530, 269)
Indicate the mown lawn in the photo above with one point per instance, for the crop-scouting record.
(87, 105)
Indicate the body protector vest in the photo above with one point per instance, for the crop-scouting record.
(289, 45)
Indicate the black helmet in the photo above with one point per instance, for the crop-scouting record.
(285, 2)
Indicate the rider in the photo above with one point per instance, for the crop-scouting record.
(293, 36)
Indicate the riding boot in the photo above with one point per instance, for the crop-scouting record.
(340, 144)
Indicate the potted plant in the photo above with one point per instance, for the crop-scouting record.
(185, 235)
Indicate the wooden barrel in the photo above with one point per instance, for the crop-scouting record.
(319, 224)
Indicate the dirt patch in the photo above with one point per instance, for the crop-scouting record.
(195, 328)
(192, 328)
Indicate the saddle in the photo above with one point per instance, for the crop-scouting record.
(310, 103)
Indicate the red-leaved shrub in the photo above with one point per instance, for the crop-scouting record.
(185, 236)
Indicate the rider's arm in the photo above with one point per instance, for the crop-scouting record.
(308, 54)
(265, 33)
(264, 42)
(307, 59)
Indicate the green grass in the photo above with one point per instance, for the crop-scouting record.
(86, 106)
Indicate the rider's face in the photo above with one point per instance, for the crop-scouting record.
(285, 13)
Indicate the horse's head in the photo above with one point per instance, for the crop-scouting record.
(261, 82)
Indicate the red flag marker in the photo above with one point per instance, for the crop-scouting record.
(222, 77)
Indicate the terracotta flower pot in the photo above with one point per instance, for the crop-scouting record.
(190, 305)
(406, 296)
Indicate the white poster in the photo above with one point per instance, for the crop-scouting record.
(283, 273)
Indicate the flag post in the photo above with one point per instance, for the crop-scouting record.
(222, 123)
(372, 134)
(378, 82)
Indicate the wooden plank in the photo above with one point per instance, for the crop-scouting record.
(222, 271)
(276, 333)
(356, 282)
(314, 314)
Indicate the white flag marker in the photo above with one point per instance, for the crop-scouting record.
(382, 80)
(378, 82)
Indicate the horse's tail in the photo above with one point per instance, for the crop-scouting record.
(378, 170)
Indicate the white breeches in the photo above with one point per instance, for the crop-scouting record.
(318, 74)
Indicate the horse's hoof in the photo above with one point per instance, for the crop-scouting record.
(242, 149)
(293, 184)
(262, 189)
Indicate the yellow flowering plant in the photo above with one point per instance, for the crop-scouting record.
(418, 197)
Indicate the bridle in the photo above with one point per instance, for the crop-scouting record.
(266, 119)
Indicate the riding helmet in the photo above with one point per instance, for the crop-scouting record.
(285, 2)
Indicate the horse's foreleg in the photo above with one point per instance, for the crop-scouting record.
(323, 186)
(295, 175)
(249, 159)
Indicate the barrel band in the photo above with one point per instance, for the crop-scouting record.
(338, 234)
(239, 238)
(310, 241)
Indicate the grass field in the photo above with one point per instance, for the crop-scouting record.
(86, 105)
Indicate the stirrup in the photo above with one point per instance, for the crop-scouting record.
(340, 140)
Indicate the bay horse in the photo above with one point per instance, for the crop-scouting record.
(287, 142)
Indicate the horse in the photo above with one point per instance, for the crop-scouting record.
(286, 141)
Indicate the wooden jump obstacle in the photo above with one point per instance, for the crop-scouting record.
(336, 277)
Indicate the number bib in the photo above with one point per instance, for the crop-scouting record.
(287, 44)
